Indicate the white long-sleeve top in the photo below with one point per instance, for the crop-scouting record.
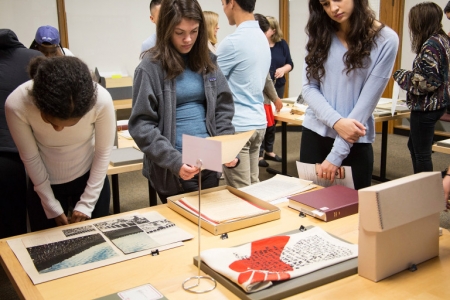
(56, 157)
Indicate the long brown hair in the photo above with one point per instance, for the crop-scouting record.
(170, 15)
(320, 29)
(425, 19)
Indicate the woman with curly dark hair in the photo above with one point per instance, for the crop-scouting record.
(63, 126)
(349, 61)
(178, 89)
(427, 85)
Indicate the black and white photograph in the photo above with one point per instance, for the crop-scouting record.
(70, 253)
(154, 226)
(126, 234)
(78, 230)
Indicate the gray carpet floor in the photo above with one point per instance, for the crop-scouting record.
(134, 190)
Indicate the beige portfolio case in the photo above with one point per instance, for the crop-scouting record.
(399, 224)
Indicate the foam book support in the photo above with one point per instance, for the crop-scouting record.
(399, 224)
(327, 204)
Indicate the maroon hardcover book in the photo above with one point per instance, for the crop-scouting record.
(327, 204)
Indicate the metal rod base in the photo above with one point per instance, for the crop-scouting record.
(190, 288)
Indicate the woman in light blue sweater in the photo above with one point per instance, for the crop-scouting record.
(350, 56)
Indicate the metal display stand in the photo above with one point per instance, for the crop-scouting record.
(192, 288)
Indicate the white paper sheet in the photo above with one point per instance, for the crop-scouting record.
(395, 93)
(277, 188)
(72, 260)
(308, 172)
(222, 206)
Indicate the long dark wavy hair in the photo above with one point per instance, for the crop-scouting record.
(170, 15)
(320, 29)
(425, 19)
(63, 86)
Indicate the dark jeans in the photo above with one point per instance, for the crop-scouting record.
(210, 179)
(420, 140)
(68, 194)
(280, 91)
(315, 148)
(13, 187)
(269, 140)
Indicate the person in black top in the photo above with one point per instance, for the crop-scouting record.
(14, 59)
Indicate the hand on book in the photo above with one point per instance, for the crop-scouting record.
(188, 172)
(327, 170)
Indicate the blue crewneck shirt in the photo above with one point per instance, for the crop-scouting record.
(191, 106)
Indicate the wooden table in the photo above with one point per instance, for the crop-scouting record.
(440, 149)
(122, 104)
(286, 117)
(168, 270)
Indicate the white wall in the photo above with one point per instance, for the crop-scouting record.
(108, 33)
(25, 16)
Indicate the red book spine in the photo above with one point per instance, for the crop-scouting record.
(122, 127)
(341, 212)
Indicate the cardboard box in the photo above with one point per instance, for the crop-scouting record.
(273, 214)
(399, 224)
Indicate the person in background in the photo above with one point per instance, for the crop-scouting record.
(155, 6)
(281, 62)
(47, 41)
(14, 59)
(178, 89)
(427, 84)
(244, 58)
(212, 26)
(349, 60)
(63, 125)
(446, 184)
(270, 95)
(447, 10)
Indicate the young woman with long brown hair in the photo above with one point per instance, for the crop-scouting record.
(349, 61)
(178, 89)
(427, 84)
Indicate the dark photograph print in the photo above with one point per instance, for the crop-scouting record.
(78, 230)
(70, 253)
(155, 226)
(126, 234)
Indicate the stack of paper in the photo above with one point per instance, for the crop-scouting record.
(220, 207)
(278, 188)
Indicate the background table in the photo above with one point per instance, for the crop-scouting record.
(168, 270)
(115, 171)
(287, 117)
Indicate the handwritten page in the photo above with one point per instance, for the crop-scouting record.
(308, 172)
(278, 187)
(232, 144)
(222, 206)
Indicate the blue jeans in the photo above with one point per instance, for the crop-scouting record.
(422, 124)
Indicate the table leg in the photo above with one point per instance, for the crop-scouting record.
(284, 148)
(383, 160)
(283, 152)
(115, 193)
(152, 195)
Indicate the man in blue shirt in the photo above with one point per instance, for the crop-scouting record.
(150, 42)
(244, 59)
